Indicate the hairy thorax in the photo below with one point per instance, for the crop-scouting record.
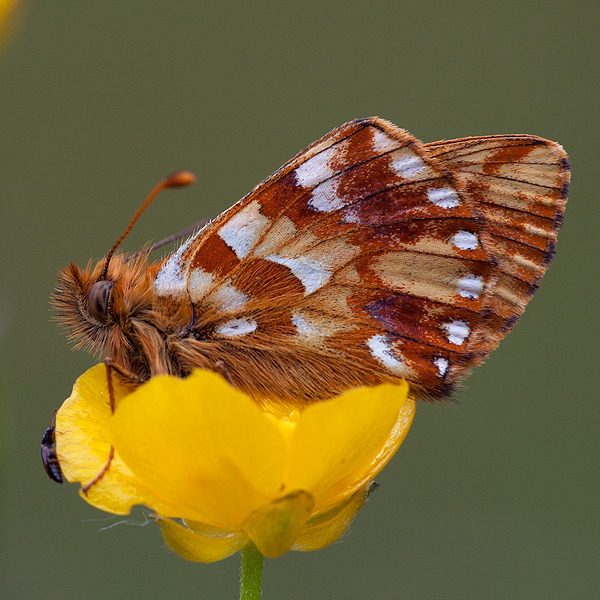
(137, 331)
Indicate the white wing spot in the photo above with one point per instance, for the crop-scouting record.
(229, 299)
(325, 197)
(236, 327)
(470, 286)
(243, 230)
(382, 350)
(304, 327)
(465, 240)
(442, 365)
(407, 164)
(170, 280)
(445, 197)
(311, 273)
(315, 170)
(199, 284)
(381, 143)
(457, 331)
(351, 216)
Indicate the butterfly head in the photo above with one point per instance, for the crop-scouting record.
(107, 308)
(102, 312)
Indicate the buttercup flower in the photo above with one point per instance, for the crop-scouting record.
(219, 471)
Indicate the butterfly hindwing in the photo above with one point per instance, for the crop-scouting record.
(518, 185)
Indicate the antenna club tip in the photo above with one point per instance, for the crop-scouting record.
(180, 179)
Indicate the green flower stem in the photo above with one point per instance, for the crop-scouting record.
(250, 572)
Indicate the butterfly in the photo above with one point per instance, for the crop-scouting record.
(368, 257)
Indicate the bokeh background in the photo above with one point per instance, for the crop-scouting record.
(493, 497)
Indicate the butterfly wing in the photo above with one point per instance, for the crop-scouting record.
(363, 259)
(518, 185)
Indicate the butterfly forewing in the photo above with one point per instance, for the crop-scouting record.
(371, 256)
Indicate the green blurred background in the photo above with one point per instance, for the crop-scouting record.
(494, 497)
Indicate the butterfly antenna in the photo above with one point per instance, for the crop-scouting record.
(177, 179)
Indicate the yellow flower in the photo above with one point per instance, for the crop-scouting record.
(201, 452)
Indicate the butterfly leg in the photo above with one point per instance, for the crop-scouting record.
(110, 366)
(222, 370)
(85, 489)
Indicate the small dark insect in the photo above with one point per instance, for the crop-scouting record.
(49, 458)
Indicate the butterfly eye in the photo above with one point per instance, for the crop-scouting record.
(98, 300)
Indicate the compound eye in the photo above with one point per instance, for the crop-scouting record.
(98, 300)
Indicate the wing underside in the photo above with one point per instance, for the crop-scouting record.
(371, 256)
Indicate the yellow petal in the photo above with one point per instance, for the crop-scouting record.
(197, 547)
(341, 444)
(326, 526)
(275, 527)
(83, 445)
(205, 449)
